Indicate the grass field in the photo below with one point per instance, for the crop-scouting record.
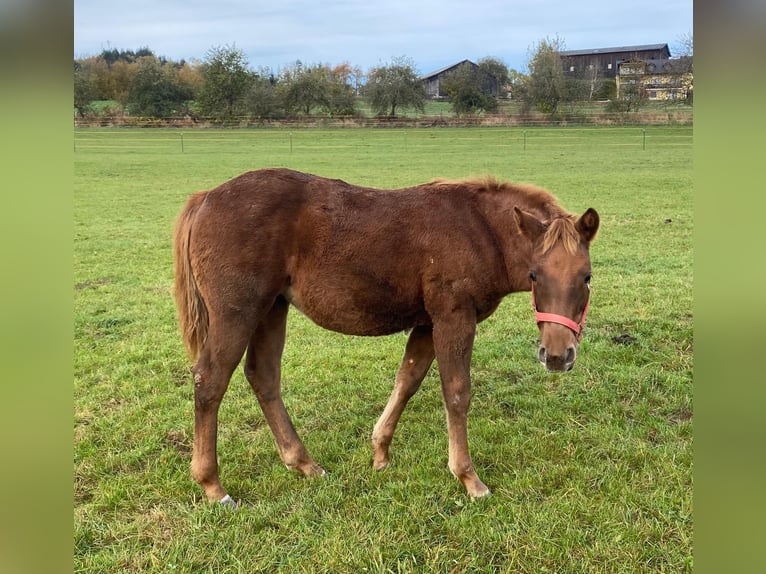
(591, 471)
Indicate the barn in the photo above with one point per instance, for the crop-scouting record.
(604, 62)
(433, 80)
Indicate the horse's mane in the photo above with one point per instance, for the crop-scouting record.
(560, 224)
(562, 230)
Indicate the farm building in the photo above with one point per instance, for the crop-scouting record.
(656, 79)
(433, 81)
(604, 61)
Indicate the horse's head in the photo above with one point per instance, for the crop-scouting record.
(560, 274)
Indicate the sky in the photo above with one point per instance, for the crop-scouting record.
(368, 33)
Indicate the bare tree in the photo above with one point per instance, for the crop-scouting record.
(683, 66)
(684, 45)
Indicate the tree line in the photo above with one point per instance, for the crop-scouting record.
(224, 87)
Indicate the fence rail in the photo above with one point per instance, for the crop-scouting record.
(673, 116)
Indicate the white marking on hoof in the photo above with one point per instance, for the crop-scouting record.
(228, 502)
(484, 494)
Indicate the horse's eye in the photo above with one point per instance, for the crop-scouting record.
(532, 276)
(587, 278)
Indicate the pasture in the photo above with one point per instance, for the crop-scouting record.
(591, 470)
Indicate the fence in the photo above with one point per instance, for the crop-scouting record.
(672, 116)
(297, 140)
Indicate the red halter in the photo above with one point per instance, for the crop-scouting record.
(560, 319)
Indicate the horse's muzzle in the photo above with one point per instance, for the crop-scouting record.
(559, 363)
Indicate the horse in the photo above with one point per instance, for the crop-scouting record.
(434, 260)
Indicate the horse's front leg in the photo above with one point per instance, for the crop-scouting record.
(453, 343)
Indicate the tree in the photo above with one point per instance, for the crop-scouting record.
(495, 75)
(84, 88)
(684, 47)
(607, 90)
(467, 88)
(129, 56)
(226, 80)
(340, 97)
(593, 81)
(304, 88)
(154, 91)
(262, 99)
(546, 75)
(344, 85)
(683, 66)
(120, 80)
(519, 84)
(632, 98)
(349, 75)
(189, 76)
(395, 85)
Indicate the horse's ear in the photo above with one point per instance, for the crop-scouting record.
(529, 226)
(587, 225)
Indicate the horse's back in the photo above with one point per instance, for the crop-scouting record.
(355, 260)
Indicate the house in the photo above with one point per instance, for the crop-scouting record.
(656, 79)
(603, 62)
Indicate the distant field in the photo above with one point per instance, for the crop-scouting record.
(591, 471)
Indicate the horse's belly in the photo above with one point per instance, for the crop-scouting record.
(357, 313)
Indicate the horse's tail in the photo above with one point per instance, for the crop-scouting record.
(192, 311)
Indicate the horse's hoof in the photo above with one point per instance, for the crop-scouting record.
(476, 489)
(379, 464)
(481, 494)
(228, 502)
(316, 470)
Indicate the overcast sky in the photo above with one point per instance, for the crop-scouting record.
(366, 33)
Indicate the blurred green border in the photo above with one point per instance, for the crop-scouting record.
(36, 287)
(730, 276)
(730, 285)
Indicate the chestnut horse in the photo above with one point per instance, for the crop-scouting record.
(435, 259)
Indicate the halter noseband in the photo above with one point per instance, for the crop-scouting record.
(560, 319)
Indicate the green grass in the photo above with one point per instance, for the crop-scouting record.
(591, 471)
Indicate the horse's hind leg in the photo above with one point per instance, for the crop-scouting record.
(263, 371)
(223, 349)
(418, 356)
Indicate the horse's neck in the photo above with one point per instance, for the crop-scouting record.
(516, 249)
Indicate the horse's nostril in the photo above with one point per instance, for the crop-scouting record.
(541, 354)
(570, 355)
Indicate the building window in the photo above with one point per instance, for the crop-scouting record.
(609, 66)
(571, 68)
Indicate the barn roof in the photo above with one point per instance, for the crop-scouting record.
(616, 50)
(446, 69)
